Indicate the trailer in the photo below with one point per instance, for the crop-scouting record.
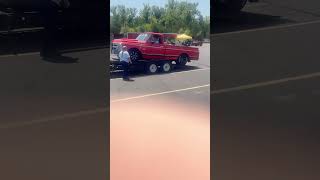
(148, 66)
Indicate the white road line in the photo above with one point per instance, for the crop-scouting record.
(179, 72)
(157, 94)
(102, 110)
(267, 83)
(54, 118)
(266, 28)
(89, 112)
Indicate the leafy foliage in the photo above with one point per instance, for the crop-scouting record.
(175, 17)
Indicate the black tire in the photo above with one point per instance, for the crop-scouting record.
(151, 68)
(166, 67)
(182, 60)
(135, 55)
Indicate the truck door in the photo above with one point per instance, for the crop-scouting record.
(156, 48)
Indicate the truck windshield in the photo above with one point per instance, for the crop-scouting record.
(143, 37)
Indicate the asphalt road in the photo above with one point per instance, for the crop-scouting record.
(54, 117)
(265, 92)
(197, 73)
(162, 122)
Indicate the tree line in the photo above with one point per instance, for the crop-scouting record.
(175, 17)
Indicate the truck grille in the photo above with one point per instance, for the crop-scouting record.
(115, 51)
(115, 48)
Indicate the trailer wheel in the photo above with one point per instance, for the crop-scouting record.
(151, 68)
(166, 67)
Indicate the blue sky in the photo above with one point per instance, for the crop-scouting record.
(204, 5)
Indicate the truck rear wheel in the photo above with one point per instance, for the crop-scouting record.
(151, 68)
(182, 60)
(166, 67)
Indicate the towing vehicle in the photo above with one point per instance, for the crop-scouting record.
(154, 51)
(82, 15)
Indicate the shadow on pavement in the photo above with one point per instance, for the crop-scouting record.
(134, 73)
(61, 60)
(245, 21)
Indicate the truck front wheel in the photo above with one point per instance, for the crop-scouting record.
(135, 55)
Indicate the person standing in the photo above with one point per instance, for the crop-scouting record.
(50, 14)
(125, 62)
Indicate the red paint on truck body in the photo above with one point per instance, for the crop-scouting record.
(162, 50)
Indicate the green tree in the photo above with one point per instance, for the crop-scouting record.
(146, 13)
(175, 17)
(132, 12)
(115, 20)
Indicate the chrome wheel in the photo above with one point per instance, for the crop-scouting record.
(153, 68)
(134, 55)
(166, 67)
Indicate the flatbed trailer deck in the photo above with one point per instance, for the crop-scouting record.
(149, 66)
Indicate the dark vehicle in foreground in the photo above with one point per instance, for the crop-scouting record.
(229, 5)
(81, 16)
(233, 6)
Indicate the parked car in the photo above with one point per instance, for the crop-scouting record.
(187, 42)
(206, 40)
(196, 43)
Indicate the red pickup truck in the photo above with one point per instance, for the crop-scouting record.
(158, 48)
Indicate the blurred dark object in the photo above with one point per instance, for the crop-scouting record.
(91, 16)
(228, 5)
(24, 5)
(21, 24)
(51, 19)
(187, 42)
(81, 17)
